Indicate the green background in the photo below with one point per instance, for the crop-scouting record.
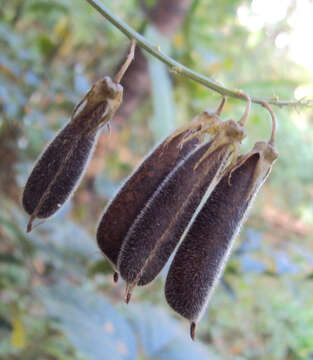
(58, 300)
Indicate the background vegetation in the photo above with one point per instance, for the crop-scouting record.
(58, 300)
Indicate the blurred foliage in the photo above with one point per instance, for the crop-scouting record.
(58, 300)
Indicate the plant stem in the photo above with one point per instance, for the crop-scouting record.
(180, 69)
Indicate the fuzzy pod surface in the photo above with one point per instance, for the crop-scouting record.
(57, 171)
(202, 255)
(135, 193)
(157, 230)
(60, 167)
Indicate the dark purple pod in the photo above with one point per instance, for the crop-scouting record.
(202, 255)
(60, 167)
(198, 184)
(158, 228)
(155, 233)
(57, 171)
(121, 213)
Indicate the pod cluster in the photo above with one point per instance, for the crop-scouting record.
(190, 195)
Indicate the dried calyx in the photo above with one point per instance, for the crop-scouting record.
(58, 170)
(229, 132)
(101, 102)
(203, 253)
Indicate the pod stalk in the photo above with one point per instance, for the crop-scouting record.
(221, 106)
(274, 123)
(248, 108)
(130, 57)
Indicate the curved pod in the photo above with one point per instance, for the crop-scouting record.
(59, 169)
(158, 228)
(121, 213)
(57, 172)
(201, 257)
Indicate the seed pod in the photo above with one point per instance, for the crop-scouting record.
(121, 213)
(69, 151)
(60, 167)
(202, 255)
(135, 193)
(158, 228)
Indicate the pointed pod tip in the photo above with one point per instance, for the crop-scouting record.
(193, 330)
(29, 225)
(128, 297)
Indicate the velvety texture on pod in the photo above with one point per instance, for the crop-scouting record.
(61, 165)
(202, 255)
(159, 226)
(121, 213)
(157, 230)
(57, 171)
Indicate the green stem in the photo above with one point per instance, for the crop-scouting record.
(180, 69)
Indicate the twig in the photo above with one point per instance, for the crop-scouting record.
(182, 70)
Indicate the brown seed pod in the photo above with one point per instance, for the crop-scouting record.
(68, 151)
(135, 193)
(121, 213)
(60, 167)
(202, 255)
(158, 228)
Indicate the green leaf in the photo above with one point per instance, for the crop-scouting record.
(47, 6)
(46, 45)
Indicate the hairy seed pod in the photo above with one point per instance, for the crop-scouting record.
(177, 207)
(202, 255)
(157, 230)
(64, 160)
(121, 213)
(135, 193)
(60, 167)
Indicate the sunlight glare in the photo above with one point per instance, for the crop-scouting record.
(297, 40)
